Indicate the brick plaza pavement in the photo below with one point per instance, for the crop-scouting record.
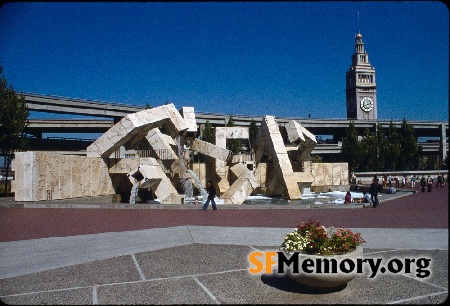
(181, 255)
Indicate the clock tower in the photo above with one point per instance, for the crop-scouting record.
(361, 86)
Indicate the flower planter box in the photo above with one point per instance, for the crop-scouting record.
(326, 281)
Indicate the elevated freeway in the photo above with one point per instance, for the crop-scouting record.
(113, 112)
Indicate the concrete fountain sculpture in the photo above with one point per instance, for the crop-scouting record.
(278, 167)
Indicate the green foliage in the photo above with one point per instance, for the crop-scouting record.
(431, 162)
(377, 151)
(234, 145)
(382, 148)
(368, 154)
(208, 133)
(350, 147)
(13, 121)
(393, 148)
(409, 152)
(252, 131)
(313, 238)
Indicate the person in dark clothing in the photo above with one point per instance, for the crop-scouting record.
(423, 183)
(429, 183)
(211, 195)
(440, 180)
(375, 187)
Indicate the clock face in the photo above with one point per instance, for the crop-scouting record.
(367, 104)
(351, 106)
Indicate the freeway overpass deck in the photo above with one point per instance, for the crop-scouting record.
(113, 112)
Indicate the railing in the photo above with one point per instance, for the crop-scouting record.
(162, 154)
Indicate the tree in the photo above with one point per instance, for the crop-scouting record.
(393, 148)
(382, 148)
(234, 145)
(13, 121)
(368, 154)
(208, 136)
(409, 153)
(350, 146)
(252, 131)
(431, 162)
(208, 133)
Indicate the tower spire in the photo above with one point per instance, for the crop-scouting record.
(358, 24)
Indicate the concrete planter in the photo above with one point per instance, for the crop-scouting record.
(320, 279)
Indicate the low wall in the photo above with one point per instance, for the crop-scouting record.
(48, 176)
(366, 177)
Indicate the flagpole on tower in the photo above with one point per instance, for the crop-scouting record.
(358, 24)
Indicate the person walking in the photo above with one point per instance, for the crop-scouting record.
(429, 183)
(375, 188)
(423, 183)
(413, 181)
(440, 180)
(211, 195)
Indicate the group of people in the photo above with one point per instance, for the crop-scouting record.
(427, 183)
(375, 188)
(387, 181)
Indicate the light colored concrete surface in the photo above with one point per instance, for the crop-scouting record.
(27, 256)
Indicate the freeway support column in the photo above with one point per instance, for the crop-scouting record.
(442, 143)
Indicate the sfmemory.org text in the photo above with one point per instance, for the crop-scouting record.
(263, 262)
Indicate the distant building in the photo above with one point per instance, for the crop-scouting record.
(361, 86)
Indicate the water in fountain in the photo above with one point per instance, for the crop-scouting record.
(188, 188)
(203, 192)
(185, 183)
(134, 192)
(310, 199)
(306, 191)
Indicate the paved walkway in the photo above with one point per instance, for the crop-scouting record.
(181, 255)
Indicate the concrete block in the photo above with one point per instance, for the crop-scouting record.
(176, 123)
(161, 143)
(242, 187)
(24, 167)
(238, 192)
(292, 190)
(235, 132)
(344, 173)
(259, 144)
(155, 178)
(124, 165)
(260, 174)
(86, 186)
(51, 163)
(188, 114)
(132, 125)
(304, 179)
(57, 176)
(282, 164)
(211, 150)
(305, 140)
(200, 170)
(239, 170)
(65, 176)
(294, 132)
(77, 176)
(220, 134)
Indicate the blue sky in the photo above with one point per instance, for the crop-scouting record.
(286, 59)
